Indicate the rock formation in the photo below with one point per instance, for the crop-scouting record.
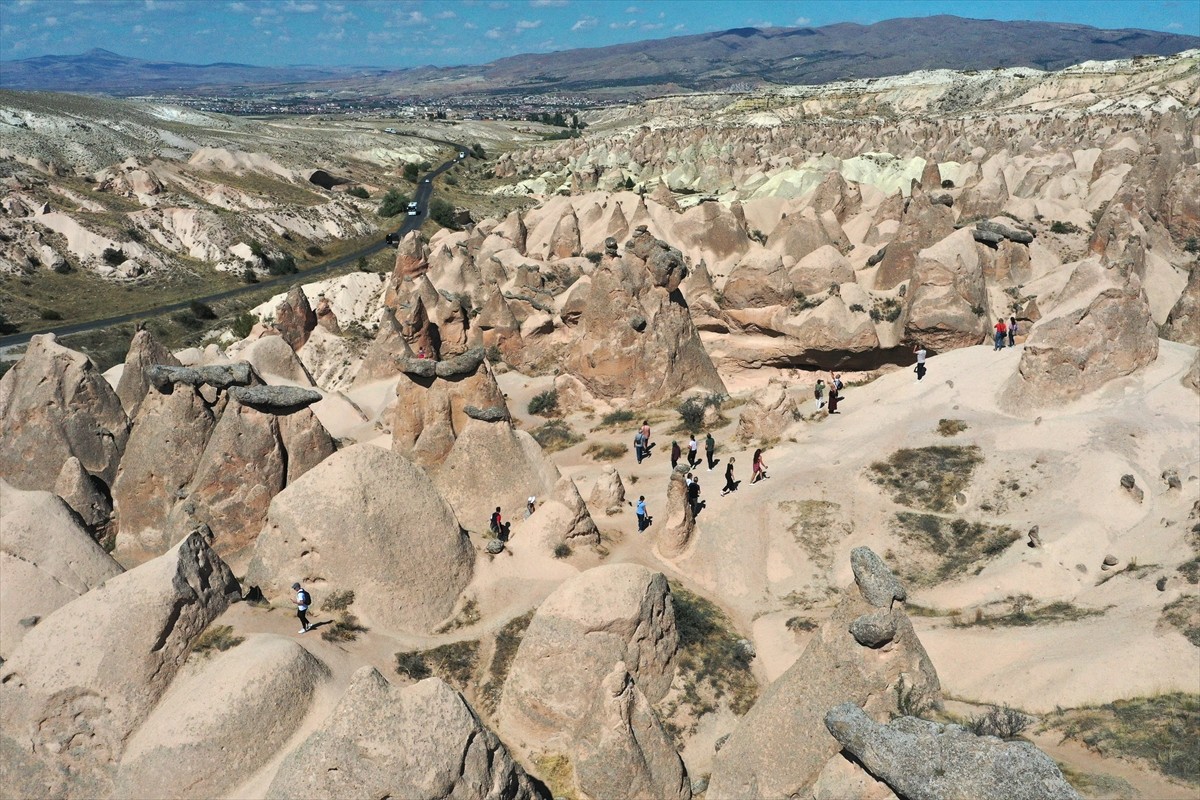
(295, 318)
(608, 495)
(675, 534)
(55, 404)
(86, 496)
(144, 351)
(768, 414)
(426, 744)
(367, 520)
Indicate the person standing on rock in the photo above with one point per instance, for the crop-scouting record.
(730, 483)
(303, 601)
(1001, 330)
(693, 455)
(642, 518)
(1012, 331)
(920, 370)
(819, 393)
(676, 454)
(710, 447)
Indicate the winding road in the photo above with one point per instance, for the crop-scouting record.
(423, 193)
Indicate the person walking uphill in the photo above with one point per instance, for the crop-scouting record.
(693, 458)
(676, 454)
(1001, 330)
(1012, 331)
(642, 518)
(639, 446)
(710, 447)
(730, 483)
(303, 601)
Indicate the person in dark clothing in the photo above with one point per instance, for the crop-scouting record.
(730, 484)
(1012, 331)
(920, 353)
(693, 495)
(710, 447)
(835, 397)
(303, 601)
(676, 454)
(497, 524)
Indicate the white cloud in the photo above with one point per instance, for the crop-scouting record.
(471, 26)
(137, 29)
(498, 6)
(652, 26)
(585, 23)
(50, 22)
(414, 18)
(802, 21)
(680, 27)
(296, 7)
(1174, 26)
(633, 10)
(616, 26)
(548, 3)
(528, 24)
(495, 33)
(240, 8)
(447, 14)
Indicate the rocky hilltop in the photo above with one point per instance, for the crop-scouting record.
(924, 596)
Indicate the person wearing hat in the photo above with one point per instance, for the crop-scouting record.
(530, 507)
(303, 601)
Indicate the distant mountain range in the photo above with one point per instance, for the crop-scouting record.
(686, 63)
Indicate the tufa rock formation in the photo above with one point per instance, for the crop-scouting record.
(144, 351)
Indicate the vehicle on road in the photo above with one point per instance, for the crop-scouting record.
(412, 209)
(462, 154)
(393, 239)
(425, 181)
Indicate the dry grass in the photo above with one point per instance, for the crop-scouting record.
(1184, 614)
(216, 637)
(556, 435)
(507, 642)
(338, 601)
(1163, 730)
(951, 427)
(928, 477)
(345, 628)
(949, 547)
(557, 772)
(467, 615)
(606, 451)
(712, 661)
(1023, 612)
(453, 663)
(816, 526)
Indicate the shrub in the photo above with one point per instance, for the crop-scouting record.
(256, 250)
(201, 310)
(454, 663)
(358, 191)
(284, 265)
(493, 355)
(393, 203)
(886, 310)
(556, 435)
(857, 307)
(216, 637)
(345, 629)
(314, 250)
(1064, 227)
(243, 323)
(113, 257)
(911, 701)
(562, 550)
(1192, 245)
(1005, 723)
(134, 234)
(50, 314)
(691, 410)
(712, 654)
(594, 257)
(442, 213)
(797, 624)
(606, 452)
(411, 174)
(950, 427)
(478, 151)
(249, 275)
(617, 417)
(338, 601)
(544, 404)
(412, 665)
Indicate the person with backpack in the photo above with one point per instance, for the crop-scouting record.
(676, 454)
(1012, 331)
(710, 447)
(920, 353)
(639, 446)
(303, 601)
(642, 518)
(819, 393)
(693, 496)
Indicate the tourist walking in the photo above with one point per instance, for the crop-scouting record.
(1012, 331)
(676, 454)
(530, 507)
(819, 393)
(496, 524)
(1001, 330)
(639, 446)
(710, 447)
(303, 601)
(693, 495)
(693, 458)
(642, 518)
(730, 483)
(646, 437)
(920, 370)
(758, 468)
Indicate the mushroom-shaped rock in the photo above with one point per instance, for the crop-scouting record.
(926, 760)
(368, 520)
(83, 494)
(295, 318)
(590, 623)
(424, 743)
(55, 404)
(144, 351)
(622, 751)
(87, 676)
(275, 399)
(779, 749)
(608, 494)
(1107, 335)
(878, 584)
(220, 723)
(46, 558)
(219, 376)
(664, 262)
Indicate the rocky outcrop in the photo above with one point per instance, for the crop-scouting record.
(275, 399)
(144, 351)
(425, 743)
(768, 414)
(89, 674)
(675, 534)
(273, 356)
(368, 520)
(758, 280)
(295, 318)
(563, 518)
(83, 494)
(1183, 323)
(217, 376)
(608, 495)
(922, 224)
(1086, 345)
(47, 561)
(925, 760)
(947, 304)
(779, 749)
(220, 723)
(55, 404)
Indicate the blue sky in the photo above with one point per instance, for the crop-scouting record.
(406, 33)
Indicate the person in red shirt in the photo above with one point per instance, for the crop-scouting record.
(1001, 329)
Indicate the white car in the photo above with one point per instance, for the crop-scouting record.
(461, 155)
(412, 209)
(425, 181)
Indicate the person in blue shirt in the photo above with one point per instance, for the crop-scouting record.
(642, 518)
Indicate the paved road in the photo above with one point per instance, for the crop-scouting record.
(423, 193)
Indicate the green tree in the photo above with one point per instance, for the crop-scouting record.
(392, 203)
(411, 172)
(442, 213)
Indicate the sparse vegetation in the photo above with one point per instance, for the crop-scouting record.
(394, 201)
(816, 525)
(1163, 730)
(1192, 245)
(1059, 226)
(113, 257)
(714, 663)
(801, 302)
(50, 314)
(927, 477)
(949, 546)
(556, 435)
(857, 308)
(338, 600)
(887, 309)
(493, 355)
(691, 411)
(468, 615)
(243, 323)
(1023, 612)
(453, 663)
(507, 642)
(617, 418)
(412, 665)
(910, 700)
(607, 451)
(345, 628)
(1004, 722)
(1184, 614)
(800, 624)
(216, 637)
(558, 774)
(201, 311)
(562, 550)
(544, 403)
(951, 427)
(1190, 570)
(358, 191)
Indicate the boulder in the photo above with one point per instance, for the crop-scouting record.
(878, 585)
(779, 748)
(758, 280)
(218, 376)
(144, 351)
(607, 615)
(85, 495)
(422, 742)
(295, 318)
(55, 404)
(275, 399)
(271, 355)
(768, 414)
(665, 263)
(47, 560)
(608, 495)
(818, 270)
(622, 751)
(1085, 345)
(563, 518)
(368, 520)
(306, 442)
(221, 722)
(83, 680)
(674, 536)
(924, 760)
(1010, 232)
(1183, 321)
(947, 301)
